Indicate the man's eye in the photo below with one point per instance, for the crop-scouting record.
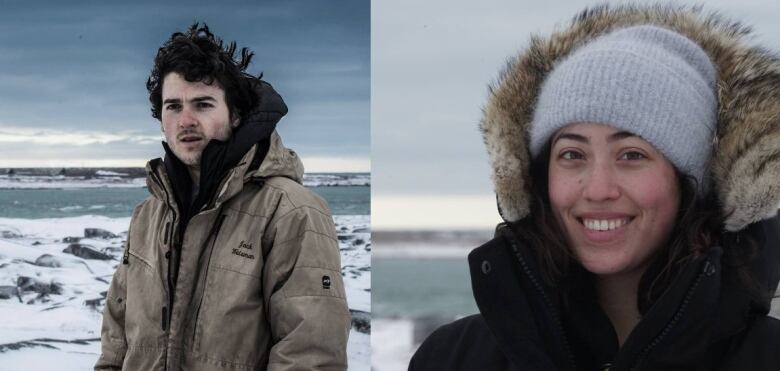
(632, 155)
(172, 107)
(203, 105)
(571, 155)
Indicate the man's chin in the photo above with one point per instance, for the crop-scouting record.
(190, 160)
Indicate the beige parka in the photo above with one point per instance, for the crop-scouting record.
(259, 284)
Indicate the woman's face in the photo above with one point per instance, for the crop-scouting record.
(615, 196)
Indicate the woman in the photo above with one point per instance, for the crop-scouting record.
(636, 162)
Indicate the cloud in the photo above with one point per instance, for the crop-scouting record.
(70, 138)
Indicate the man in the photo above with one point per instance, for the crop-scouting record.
(230, 264)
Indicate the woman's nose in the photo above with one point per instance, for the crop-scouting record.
(602, 184)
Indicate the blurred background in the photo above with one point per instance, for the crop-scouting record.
(432, 200)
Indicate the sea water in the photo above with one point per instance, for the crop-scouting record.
(120, 202)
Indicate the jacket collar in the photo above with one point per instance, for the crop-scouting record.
(276, 161)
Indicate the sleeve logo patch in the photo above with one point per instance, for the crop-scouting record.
(326, 282)
(240, 250)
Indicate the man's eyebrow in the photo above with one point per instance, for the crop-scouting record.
(202, 98)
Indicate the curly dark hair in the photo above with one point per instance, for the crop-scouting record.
(199, 56)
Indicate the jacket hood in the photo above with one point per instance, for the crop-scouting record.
(745, 165)
(279, 161)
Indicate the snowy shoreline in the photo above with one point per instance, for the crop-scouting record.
(110, 179)
(51, 306)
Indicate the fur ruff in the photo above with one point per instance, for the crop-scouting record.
(745, 167)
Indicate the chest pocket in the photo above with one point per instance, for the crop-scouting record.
(237, 245)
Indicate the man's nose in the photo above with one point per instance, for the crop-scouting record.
(187, 118)
(602, 184)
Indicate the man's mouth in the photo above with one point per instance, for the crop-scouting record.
(190, 138)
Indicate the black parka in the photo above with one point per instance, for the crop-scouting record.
(706, 320)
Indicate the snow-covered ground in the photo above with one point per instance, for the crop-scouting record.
(56, 321)
(391, 344)
(331, 180)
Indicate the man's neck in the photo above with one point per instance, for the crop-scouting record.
(194, 174)
(617, 296)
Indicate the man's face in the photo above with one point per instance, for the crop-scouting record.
(193, 113)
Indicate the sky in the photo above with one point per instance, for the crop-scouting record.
(72, 76)
(432, 62)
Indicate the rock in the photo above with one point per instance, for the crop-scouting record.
(47, 260)
(112, 250)
(362, 230)
(93, 303)
(98, 233)
(71, 239)
(36, 243)
(24, 283)
(358, 242)
(8, 292)
(344, 238)
(40, 299)
(86, 252)
(361, 321)
(9, 234)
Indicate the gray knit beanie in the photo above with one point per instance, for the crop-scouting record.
(646, 80)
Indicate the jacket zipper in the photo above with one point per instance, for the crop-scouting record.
(553, 312)
(206, 278)
(166, 310)
(642, 356)
(169, 240)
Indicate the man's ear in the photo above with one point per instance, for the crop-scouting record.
(235, 121)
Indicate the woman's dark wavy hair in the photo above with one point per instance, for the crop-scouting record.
(199, 56)
(698, 227)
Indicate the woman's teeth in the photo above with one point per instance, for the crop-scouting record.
(604, 225)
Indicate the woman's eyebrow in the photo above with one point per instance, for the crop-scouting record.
(620, 135)
(571, 136)
(583, 139)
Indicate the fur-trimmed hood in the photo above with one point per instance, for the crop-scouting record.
(745, 165)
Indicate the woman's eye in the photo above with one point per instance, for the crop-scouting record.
(632, 155)
(572, 155)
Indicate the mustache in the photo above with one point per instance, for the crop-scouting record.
(189, 133)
